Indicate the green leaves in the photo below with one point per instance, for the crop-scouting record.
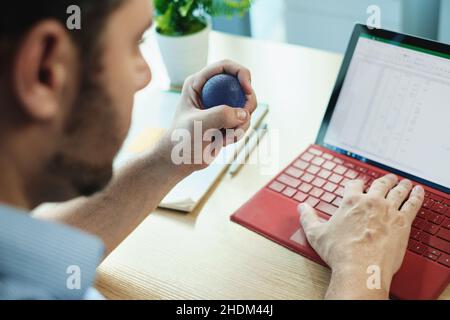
(229, 7)
(184, 9)
(164, 21)
(183, 17)
(161, 6)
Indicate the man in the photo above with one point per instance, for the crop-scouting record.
(65, 108)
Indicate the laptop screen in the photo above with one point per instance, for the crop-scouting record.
(394, 109)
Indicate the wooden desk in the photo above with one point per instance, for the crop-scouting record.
(203, 255)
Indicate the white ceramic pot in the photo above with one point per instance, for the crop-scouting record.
(184, 55)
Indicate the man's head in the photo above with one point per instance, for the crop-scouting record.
(66, 96)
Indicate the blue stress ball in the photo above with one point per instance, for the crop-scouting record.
(223, 89)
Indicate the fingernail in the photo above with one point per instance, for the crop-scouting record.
(419, 189)
(406, 181)
(392, 176)
(242, 115)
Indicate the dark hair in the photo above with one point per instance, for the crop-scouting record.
(18, 17)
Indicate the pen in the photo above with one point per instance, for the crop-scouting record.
(253, 141)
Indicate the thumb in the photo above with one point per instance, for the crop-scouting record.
(224, 117)
(310, 220)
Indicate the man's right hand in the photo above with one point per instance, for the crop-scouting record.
(369, 233)
(211, 122)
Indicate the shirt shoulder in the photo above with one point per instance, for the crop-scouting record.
(52, 260)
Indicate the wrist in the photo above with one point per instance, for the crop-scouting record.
(164, 158)
(359, 283)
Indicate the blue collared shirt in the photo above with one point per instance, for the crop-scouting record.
(43, 260)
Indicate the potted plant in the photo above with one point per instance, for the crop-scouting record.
(182, 31)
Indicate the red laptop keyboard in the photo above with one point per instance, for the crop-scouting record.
(318, 178)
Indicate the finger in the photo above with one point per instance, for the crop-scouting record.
(188, 93)
(413, 204)
(381, 186)
(224, 117)
(399, 194)
(310, 221)
(226, 66)
(353, 188)
(251, 103)
(244, 127)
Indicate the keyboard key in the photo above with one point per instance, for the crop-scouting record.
(307, 156)
(417, 247)
(315, 151)
(328, 197)
(316, 192)
(307, 177)
(276, 186)
(305, 187)
(291, 182)
(351, 174)
(335, 178)
(328, 156)
(430, 256)
(313, 169)
(444, 234)
(435, 218)
(330, 187)
(340, 169)
(445, 260)
(300, 164)
(374, 175)
(344, 181)
(329, 165)
(318, 161)
(436, 198)
(289, 192)
(339, 192)
(434, 252)
(419, 223)
(326, 208)
(324, 173)
(296, 173)
(416, 234)
(446, 223)
(437, 243)
(439, 208)
(318, 182)
(312, 201)
(428, 203)
(300, 196)
(447, 210)
(349, 165)
(337, 202)
(423, 213)
(338, 161)
(430, 228)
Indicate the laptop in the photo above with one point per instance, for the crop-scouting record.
(389, 112)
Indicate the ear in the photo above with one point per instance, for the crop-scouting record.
(41, 70)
